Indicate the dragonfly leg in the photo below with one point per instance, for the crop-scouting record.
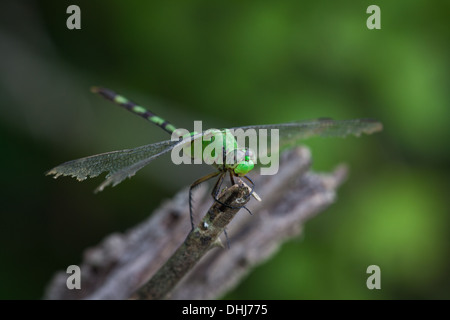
(251, 191)
(224, 155)
(253, 185)
(216, 190)
(231, 178)
(195, 184)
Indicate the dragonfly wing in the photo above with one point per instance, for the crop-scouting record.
(119, 164)
(293, 132)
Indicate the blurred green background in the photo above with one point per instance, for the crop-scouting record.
(230, 63)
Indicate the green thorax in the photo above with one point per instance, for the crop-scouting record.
(220, 149)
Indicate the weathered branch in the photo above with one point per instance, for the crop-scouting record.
(122, 263)
(197, 243)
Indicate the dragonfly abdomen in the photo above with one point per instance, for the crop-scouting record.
(134, 108)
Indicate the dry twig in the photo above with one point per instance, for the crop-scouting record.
(122, 263)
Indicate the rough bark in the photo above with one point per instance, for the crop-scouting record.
(123, 263)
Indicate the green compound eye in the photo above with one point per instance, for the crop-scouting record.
(244, 167)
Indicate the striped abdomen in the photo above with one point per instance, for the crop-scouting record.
(134, 108)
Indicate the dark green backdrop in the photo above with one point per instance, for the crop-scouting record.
(230, 63)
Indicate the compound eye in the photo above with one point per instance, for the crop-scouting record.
(243, 168)
(249, 155)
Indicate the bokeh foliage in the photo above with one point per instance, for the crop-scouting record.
(231, 63)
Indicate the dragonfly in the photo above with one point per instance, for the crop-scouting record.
(125, 163)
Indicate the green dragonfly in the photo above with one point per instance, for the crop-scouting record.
(125, 163)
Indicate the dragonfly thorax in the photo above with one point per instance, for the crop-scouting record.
(220, 149)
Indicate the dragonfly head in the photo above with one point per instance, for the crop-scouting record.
(245, 161)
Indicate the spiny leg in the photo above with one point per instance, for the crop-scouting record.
(248, 179)
(216, 190)
(233, 183)
(231, 178)
(252, 189)
(251, 192)
(253, 185)
(195, 184)
(224, 155)
(215, 193)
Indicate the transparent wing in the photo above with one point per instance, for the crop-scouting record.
(119, 164)
(292, 133)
